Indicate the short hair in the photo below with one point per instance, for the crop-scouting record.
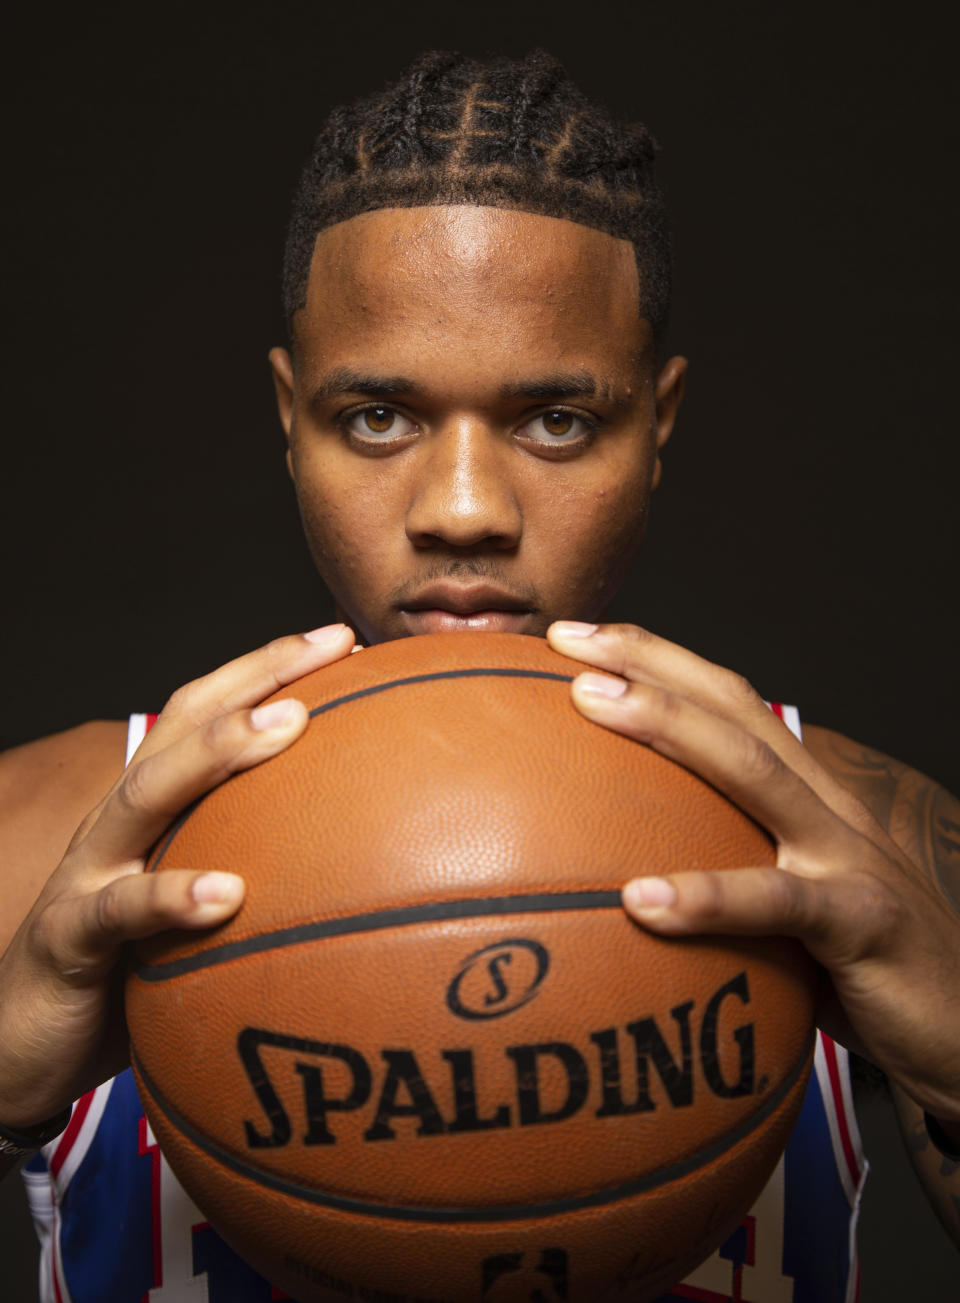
(503, 133)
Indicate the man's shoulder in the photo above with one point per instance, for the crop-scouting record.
(47, 788)
(863, 769)
(57, 750)
(77, 765)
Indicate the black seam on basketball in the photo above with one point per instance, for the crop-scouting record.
(496, 1213)
(478, 672)
(403, 916)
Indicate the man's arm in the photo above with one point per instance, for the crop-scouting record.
(883, 929)
(924, 820)
(922, 817)
(46, 788)
(61, 1025)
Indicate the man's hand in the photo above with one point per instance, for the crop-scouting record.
(886, 936)
(61, 992)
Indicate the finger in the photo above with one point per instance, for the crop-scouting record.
(639, 656)
(642, 657)
(838, 921)
(247, 680)
(153, 791)
(744, 767)
(241, 682)
(81, 935)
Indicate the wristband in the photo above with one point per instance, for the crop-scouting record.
(17, 1143)
(942, 1142)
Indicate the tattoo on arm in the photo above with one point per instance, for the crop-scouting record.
(921, 816)
(947, 852)
(918, 1142)
(940, 1176)
(924, 820)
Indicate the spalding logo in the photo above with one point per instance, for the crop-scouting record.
(603, 1072)
(498, 979)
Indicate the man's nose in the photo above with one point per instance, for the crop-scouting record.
(464, 495)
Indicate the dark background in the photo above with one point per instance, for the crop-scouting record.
(806, 528)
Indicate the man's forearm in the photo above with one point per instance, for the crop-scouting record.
(939, 1175)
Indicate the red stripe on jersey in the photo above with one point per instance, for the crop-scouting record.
(143, 1147)
(69, 1136)
(777, 708)
(151, 720)
(749, 1225)
(849, 1153)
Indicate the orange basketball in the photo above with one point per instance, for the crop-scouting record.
(431, 1058)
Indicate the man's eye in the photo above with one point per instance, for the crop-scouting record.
(377, 422)
(557, 427)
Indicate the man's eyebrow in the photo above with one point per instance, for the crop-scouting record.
(573, 384)
(345, 380)
(546, 388)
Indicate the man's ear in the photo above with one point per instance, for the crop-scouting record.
(282, 368)
(668, 396)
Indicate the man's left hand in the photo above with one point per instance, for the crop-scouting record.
(888, 939)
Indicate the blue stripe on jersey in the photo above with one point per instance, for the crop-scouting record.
(107, 1222)
(816, 1251)
(108, 1204)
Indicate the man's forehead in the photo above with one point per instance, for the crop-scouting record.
(487, 274)
(476, 243)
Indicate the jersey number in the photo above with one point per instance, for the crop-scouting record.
(759, 1278)
(191, 1264)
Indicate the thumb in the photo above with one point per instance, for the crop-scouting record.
(826, 914)
(82, 936)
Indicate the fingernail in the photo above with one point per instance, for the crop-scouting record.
(645, 894)
(275, 714)
(574, 629)
(601, 685)
(326, 633)
(217, 889)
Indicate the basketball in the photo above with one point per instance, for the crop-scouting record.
(431, 1060)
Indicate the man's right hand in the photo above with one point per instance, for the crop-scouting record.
(62, 1029)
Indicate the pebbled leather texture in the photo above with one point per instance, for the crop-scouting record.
(431, 1048)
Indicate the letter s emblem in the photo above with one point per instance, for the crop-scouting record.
(498, 979)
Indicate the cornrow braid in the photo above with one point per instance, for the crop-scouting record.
(503, 133)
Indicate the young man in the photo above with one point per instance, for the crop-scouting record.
(475, 402)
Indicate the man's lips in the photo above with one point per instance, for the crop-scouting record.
(450, 608)
(466, 599)
(438, 620)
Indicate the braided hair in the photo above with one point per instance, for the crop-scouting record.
(501, 133)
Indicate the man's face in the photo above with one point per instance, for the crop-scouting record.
(473, 417)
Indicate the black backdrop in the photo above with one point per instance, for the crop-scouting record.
(806, 529)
